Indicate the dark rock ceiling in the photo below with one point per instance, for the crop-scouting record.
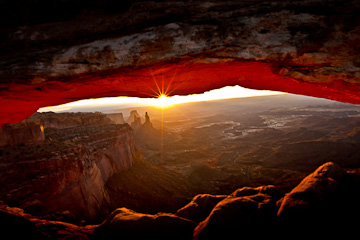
(58, 51)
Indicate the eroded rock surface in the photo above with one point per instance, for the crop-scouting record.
(199, 207)
(323, 204)
(127, 224)
(305, 47)
(313, 193)
(241, 213)
(68, 170)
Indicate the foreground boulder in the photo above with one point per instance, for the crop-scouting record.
(313, 195)
(199, 207)
(240, 213)
(16, 224)
(127, 224)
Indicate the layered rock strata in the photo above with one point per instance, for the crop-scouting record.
(69, 169)
(184, 47)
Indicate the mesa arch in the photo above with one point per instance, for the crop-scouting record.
(303, 47)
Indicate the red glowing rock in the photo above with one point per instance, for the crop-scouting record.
(185, 47)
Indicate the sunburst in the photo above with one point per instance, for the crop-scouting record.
(161, 91)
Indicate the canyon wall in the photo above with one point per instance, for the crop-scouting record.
(68, 170)
(21, 133)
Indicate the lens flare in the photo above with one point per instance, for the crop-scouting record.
(163, 101)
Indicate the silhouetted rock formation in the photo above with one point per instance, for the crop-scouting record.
(147, 122)
(147, 135)
(116, 118)
(127, 224)
(248, 210)
(133, 116)
(241, 212)
(200, 207)
(15, 224)
(136, 124)
(309, 198)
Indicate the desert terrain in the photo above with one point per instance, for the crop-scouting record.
(222, 145)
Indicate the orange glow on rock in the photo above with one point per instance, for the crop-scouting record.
(181, 78)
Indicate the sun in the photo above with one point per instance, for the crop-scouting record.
(163, 101)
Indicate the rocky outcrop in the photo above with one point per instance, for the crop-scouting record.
(67, 120)
(15, 224)
(304, 47)
(199, 207)
(311, 197)
(70, 169)
(21, 133)
(116, 118)
(146, 134)
(127, 224)
(325, 197)
(136, 124)
(133, 116)
(241, 212)
(147, 122)
(247, 211)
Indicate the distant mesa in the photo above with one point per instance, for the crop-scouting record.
(116, 118)
(135, 121)
(136, 124)
(133, 116)
(145, 134)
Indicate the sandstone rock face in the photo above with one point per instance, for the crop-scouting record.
(147, 122)
(136, 124)
(21, 133)
(127, 224)
(146, 134)
(66, 120)
(313, 193)
(15, 224)
(304, 47)
(246, 211)
(70, 169)
(242, 212)
(200, 207)
(116, 118)
(133, 116)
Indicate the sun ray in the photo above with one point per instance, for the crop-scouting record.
(157, 85)
(171, 80)
(155, 93)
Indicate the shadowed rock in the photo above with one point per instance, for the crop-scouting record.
(242, 212)
(199, 207)
(127, 224)
(311, 196)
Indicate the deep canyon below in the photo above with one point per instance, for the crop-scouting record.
(81, 173)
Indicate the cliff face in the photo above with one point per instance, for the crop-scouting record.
(133, 116)
(21, 133)
(69, 170)
(116, 118)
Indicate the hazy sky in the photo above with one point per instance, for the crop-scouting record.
(104, 104)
